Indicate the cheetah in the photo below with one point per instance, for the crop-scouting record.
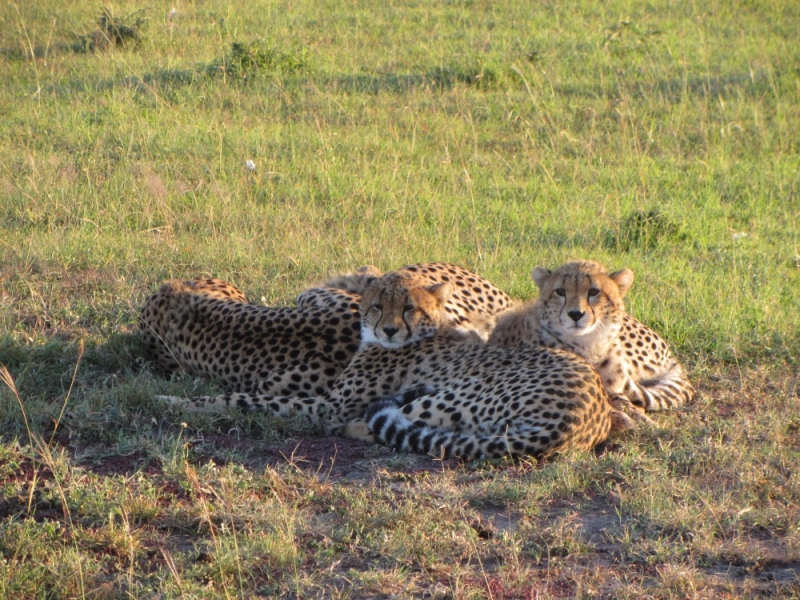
(473, 302)
(440, 390)
(580, 309)
(207, 328)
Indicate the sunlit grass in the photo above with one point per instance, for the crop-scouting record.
(662, 137)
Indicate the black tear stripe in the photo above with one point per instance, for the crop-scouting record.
(563, 301)
(403, 313)
(417, 308)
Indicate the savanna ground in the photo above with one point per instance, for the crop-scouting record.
(662, 136)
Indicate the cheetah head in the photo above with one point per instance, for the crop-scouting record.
(582, 298)
(397, 309)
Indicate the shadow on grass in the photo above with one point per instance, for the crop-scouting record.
(39, 367)
(440, 79)
(673, 91)
(113, 425)
(164, 80)
(107, 392)
(104, 388)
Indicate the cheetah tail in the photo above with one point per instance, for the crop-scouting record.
(668, 390)
(391, 428)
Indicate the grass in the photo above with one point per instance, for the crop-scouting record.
(661, 136)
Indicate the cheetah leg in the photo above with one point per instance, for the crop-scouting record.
(320, 411)
(355, 282)
(668, 389)
(283, 406)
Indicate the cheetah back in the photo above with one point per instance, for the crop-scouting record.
(155, 317)
(210, 331)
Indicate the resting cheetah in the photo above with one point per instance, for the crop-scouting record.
(473, 300)
(207, 328)
(580, 309)
(453, 395)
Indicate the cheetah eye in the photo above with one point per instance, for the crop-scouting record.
(408, 308)
(561, 292)
(593, 292)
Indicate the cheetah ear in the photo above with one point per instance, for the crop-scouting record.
(371, 271)
(369, 281)
(441, 291)
(623, 279)
(540, 276)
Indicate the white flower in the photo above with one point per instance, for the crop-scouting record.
(172, 12)
(740, 235)
(250, 165)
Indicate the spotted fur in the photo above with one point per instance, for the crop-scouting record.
(444, 392)
(485, 401)
(473, 302)
(581, 309)
(206, 327)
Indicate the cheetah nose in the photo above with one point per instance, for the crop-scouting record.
(390, 331)
(575, 315)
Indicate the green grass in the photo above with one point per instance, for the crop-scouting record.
(499, 136)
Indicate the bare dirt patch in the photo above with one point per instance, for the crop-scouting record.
(328, 457)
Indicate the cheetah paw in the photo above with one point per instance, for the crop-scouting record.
(172, 400)
(358, 430)
(635, 413)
